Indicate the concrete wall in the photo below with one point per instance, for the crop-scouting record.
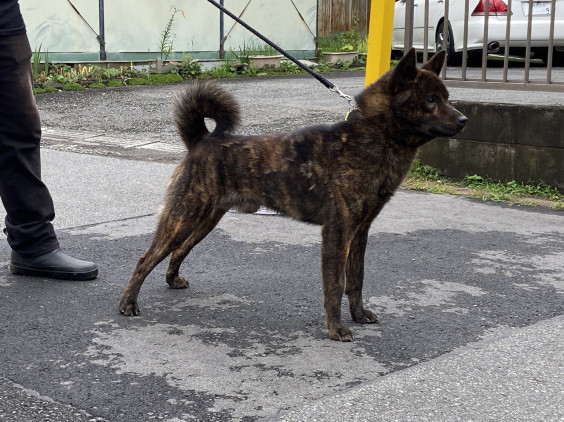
(133, 27)
(504, 142)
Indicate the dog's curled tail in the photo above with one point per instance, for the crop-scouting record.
(200, 100)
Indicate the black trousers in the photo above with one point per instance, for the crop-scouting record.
(27, 200)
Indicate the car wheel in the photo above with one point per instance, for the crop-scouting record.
(453, 58)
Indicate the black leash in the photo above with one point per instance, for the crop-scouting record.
(328, 84)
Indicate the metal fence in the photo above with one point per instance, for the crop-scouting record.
(508, 76)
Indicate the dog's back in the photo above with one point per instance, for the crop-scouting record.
(298, 173)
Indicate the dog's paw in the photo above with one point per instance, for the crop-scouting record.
(340, 333)
(177, 282)
(129, 309)
(364, 316)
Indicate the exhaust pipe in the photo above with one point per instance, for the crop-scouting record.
(493, 47)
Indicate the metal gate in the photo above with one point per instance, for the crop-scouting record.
(424, 26)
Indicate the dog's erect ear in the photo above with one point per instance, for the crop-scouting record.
(436, 63)
(406, 69)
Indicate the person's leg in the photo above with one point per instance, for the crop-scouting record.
(27, 200)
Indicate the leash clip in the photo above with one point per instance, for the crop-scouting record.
(350, 99)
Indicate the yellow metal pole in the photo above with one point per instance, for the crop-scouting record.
(379, 39)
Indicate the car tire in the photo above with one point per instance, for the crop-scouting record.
(453, 58)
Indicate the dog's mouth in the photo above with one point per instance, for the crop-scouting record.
(454, 128)
(440, 132)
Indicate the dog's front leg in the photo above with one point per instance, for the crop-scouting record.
(335, 251)
(355, 279)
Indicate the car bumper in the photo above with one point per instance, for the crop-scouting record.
(497, 27)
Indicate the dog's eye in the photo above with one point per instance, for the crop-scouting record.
(431, 100)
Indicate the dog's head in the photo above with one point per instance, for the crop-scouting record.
(416, 98)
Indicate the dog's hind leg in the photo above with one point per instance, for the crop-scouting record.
(148, 261)
(169, 234)
(355, 279)
(173, 278)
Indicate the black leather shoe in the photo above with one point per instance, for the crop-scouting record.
(55, 264)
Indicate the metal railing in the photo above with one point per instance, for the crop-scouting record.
(484, 77)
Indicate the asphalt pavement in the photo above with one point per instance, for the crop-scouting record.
(470, 295)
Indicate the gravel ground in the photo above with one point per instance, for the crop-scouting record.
(267, 104)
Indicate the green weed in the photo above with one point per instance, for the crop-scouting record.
(423, 171)
(227, 69)
(166, 40)
(498, 191)
(424, 177)
(189, 68)
(288, 67)
(350, 40)
(254, 48)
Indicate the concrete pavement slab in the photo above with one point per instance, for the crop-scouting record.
(89, 190)
(515, 376)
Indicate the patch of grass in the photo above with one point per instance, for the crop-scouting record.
(423, 171)
(115, 83)
(225, 70)
(189, 68)
(138, 81)
(350, 40)
(511, 191)
(426, 178)
(288, 67)
(255, 48)
(72, 86)
(322, 67)
(97, 85)
(362, 46)
(250, 70)
(45, 90)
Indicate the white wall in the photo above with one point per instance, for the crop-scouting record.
(133, 27)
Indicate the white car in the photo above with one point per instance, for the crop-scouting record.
(497, 23)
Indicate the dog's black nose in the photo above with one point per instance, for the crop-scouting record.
(462, 119)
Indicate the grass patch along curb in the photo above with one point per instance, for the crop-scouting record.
(426, 178)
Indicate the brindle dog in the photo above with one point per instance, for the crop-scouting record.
(338, 176)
